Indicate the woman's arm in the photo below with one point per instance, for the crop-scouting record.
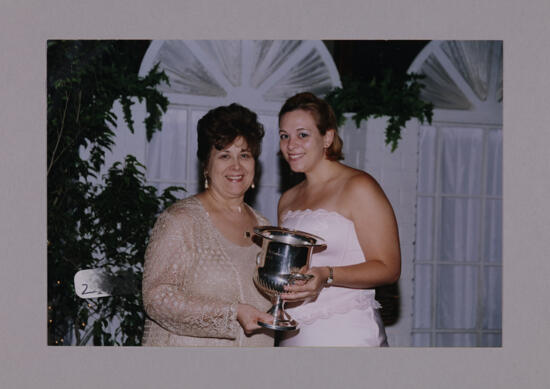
(363, 202)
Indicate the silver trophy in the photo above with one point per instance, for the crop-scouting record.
(284, 258)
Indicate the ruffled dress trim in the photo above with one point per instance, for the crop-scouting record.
(310, 312)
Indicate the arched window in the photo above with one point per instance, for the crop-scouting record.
(204, 74)
(458, 253)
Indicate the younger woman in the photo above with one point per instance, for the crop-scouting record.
(348, 209)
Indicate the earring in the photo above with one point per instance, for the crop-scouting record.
(252, 186)
(205, 182)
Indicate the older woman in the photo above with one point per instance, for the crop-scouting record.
(347, 208)
(197, 284)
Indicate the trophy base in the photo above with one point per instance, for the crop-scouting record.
(281, 320)
(287, 325)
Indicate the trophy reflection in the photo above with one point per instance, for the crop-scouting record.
(284, 258)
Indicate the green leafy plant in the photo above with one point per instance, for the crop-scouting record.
(94, 222)
(394, 96)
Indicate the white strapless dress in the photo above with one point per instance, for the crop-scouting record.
(339, 316)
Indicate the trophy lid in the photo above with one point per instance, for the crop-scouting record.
(288, 236)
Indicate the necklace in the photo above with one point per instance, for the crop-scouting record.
(229, 212)
(217, 205)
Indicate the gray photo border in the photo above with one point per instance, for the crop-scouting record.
(26, 360)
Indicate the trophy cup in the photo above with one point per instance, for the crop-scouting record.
(285, 256)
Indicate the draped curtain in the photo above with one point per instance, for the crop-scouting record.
(458, 268)
(458, 264)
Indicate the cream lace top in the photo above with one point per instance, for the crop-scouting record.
(193, 280)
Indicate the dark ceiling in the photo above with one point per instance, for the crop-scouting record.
(357, 59)
(364, 59)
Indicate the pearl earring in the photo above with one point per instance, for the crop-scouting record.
(252, 186)
(205, 182)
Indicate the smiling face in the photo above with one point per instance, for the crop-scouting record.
(301, 143)
(230, 170)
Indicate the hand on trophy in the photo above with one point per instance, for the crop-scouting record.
(248, 318)
(306, 290)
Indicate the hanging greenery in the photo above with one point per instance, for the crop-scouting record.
(394, 96)
(97, 222)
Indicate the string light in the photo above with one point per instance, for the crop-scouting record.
(58, 282)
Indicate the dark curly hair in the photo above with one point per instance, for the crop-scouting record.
(222, 125)
(324, 117)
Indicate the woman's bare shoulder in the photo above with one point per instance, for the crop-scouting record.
(359, 180)
(361, 186)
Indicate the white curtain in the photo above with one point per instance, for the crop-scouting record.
(458, 270)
